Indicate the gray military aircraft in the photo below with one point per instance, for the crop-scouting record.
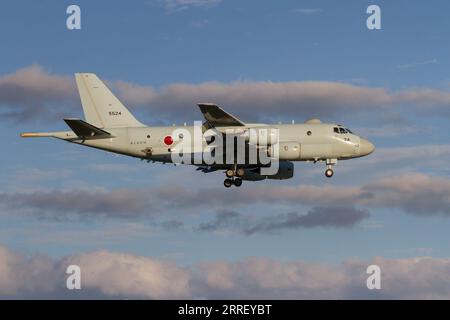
(110, 126)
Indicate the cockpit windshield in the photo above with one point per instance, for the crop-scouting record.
(341, 130)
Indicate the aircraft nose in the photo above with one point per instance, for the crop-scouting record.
(366, 147)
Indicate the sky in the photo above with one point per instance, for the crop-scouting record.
(151, 231)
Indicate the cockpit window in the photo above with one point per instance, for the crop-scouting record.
(342, 130)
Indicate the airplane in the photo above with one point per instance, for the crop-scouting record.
(110, 126)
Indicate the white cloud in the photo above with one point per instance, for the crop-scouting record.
(31, 93)
(118, 275)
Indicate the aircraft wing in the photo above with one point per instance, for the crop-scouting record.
(86, 131)
(217, 117)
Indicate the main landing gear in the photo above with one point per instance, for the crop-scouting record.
(233, 177)
(230, 173)
(229, 182)
(330, 163)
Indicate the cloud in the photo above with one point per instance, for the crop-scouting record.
(331, 217)
(34, 93)
(300, 98)
(223, 220)
(308, 11)
(19, 275)
(106, 274)
(134, 94)
(177, 5)
(328, 217)
(413, 193)
(82, 203)
(417, 64)
(172, 225)
(119, 274)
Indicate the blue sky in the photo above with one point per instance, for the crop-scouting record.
(401, 70)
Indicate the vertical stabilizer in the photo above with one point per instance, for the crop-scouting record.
(101, 108)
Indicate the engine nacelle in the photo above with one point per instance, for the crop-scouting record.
(285, 171)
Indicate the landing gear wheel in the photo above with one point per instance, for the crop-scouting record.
(240, 172)
(229, 173)
(329, 173)
(228, 183)
(238, 182)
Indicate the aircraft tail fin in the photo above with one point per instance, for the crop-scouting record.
(101, 108)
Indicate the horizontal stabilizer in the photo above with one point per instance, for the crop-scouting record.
(87, 131)
(217, 117)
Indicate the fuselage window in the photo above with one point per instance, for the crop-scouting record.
(342, 130)
(348, 130)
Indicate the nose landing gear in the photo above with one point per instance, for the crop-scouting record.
(330, 163)
(329, 173)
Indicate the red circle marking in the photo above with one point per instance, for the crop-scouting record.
(168, 140)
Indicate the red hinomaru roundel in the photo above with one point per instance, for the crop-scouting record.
(168, 140)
